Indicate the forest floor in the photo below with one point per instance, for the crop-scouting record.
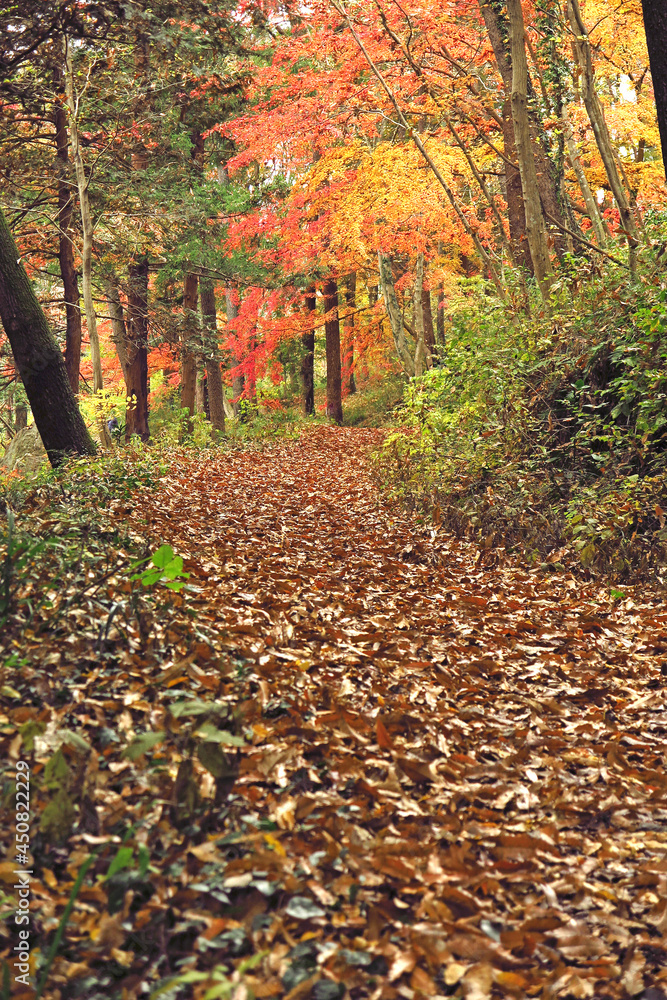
(452, 774)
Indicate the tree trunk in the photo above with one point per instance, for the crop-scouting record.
(65, 245)
(440, 317)
(39, 360)
(394, 313)
(590, 202)
(420, 349)
(536, 231)
(497, 28)
(308, 356)
(21, 421)
(216, 403)
(332, 331)
(348, 379)
(655, 23)
(136, 380)
(118, 328)
(582, 50)
(238, 380)
(188, 336)
(429, 334)
(87, 233)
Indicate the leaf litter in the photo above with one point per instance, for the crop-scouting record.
(352, 758)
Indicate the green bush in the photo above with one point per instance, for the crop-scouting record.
(547, 431)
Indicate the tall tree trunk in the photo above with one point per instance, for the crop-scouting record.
(429, 333)
(420, 349)
(394, 313)
(516, 213)
(136, 381)
(65, 244)
(497, 27)
(332, 331)
(188, 338)
(308, 355)
(118, 328)
(536, 230)
(238, 380)
(591, 204)
(87, 233)
(582, 50)
(655, 23)
(440, 316)
(216, 402)
(39, 360)
(348, 379)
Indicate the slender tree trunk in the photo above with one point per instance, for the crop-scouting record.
(536, 230)
(582, 50)
(65, 244)
(136, 380)
(136, 421)
(348, 379)
(118, 328)
(516, 213)
(420, 348)
(200, 392)
(332, 330)
(39, 360)
(216, 403)
(497, 27)
(394, 314)
(308, 355)
(87, 233)
(590, 202)
(440, 316)
(238, 380)
(188, 337)
(429, 334)
(655, 23)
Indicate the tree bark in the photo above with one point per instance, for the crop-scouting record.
(498, 31)
(87, 233)
(136, 380)
(420, 350)
(39, 360)
(590, 202)
(118, 328)
(582, 50)
(655, 23)
(188, 359)
(332, 331)
(394, 313)
(536, 230)
(308, 356)
(65, 244)
(348, 379)
(216, 405)
(238, 380)
(429, 333)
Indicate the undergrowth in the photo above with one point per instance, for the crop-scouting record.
(548, 434)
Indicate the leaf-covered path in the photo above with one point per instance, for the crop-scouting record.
(456, 784)
(357, 759)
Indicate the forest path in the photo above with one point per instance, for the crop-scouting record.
(464, 763)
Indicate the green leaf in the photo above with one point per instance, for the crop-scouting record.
(122, 860)
(143, 743)
(214, 735)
